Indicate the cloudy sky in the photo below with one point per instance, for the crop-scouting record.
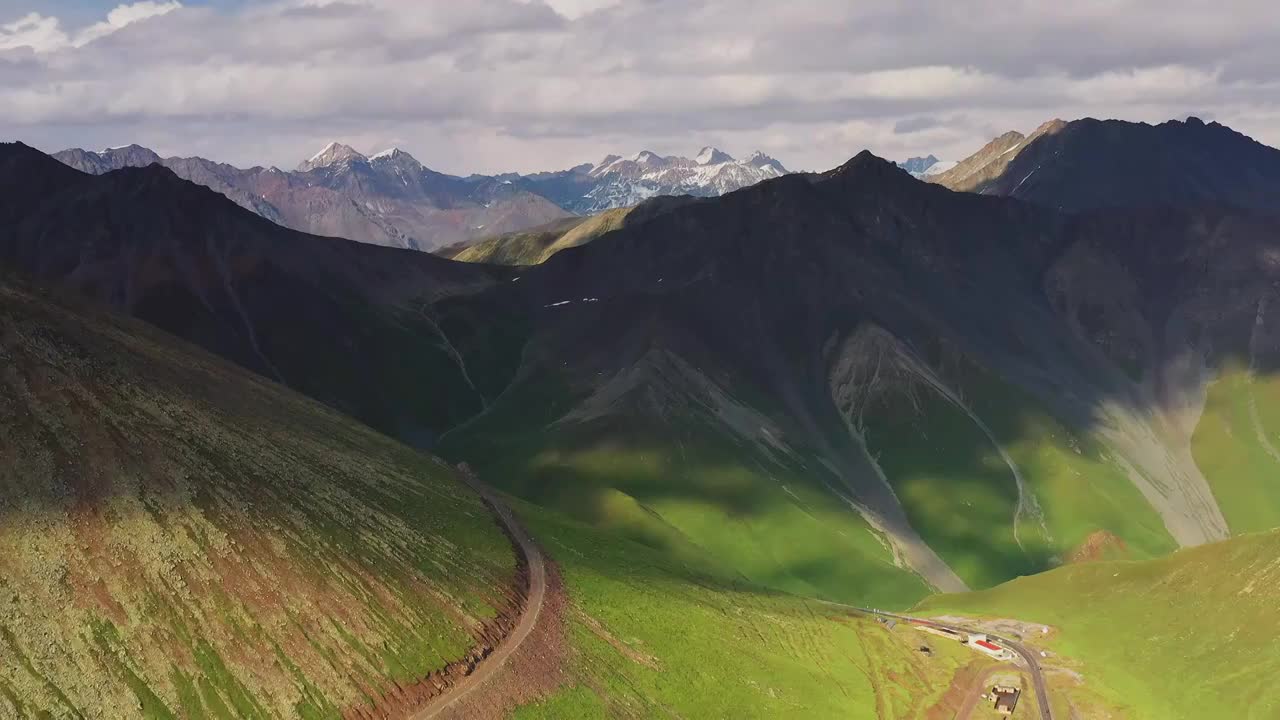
(494, 85)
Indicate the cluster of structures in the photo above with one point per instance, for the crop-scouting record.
(1006, 698)
(977, 641)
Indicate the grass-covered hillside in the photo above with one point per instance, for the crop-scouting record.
(530, 247)
(1192, 635)
(180, 538)
(1236, 444)
(655, 638)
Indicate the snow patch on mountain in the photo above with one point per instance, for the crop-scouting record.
(623, 182)
(712, 156)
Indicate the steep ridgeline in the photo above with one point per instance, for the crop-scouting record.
(346, 323)
(1089, 163)
(385, 199)
(181, 538)
(796, 372)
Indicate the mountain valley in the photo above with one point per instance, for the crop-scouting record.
(720, 415)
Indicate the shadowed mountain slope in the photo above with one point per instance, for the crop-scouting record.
(181, 538)
(1090, 163)
(346, 323)
(983, 383)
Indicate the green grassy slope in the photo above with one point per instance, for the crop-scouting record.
(1192, 635)
(179, 538)
(686, 489)
(703, 644)
(1234, 444)
(530, 247)
(962, 495)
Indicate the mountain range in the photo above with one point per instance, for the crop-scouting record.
(385, 199)
(854, 385)
(680, 313)
(390, 198)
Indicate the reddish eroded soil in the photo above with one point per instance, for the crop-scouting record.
(966, 691)
(1099, 545)
(395, 700)
(533, 670)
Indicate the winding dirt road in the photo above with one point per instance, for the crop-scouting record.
(490, 666)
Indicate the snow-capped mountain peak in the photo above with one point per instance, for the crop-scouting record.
(332, 153)
(759, 160)
(623, 182)
(396, 156)
(712, 156)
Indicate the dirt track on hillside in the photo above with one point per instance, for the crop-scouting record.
(453, 699)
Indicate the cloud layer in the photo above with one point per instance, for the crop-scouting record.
(489, 85)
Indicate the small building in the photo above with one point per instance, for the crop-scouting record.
(1006, 699)
(941, 632)
(983, 645)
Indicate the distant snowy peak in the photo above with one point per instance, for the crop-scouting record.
(926, 167)
(918, 165)
(332, 154)
(396, 156)
(938, 168)
(760, 160)
(712, 156)
(622, 182)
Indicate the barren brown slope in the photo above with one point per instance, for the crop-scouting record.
(180, 538)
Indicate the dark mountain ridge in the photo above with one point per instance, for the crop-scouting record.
(314, 312)
(1089, 163)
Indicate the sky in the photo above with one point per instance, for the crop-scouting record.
(525, 85)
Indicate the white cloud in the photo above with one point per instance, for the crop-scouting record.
(489, 85)
(43, 34)
(33, 31)
(123, 15)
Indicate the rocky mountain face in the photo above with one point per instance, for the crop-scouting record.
(387, 199)
(1087, 164)
(323, 315)
(974, 172)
